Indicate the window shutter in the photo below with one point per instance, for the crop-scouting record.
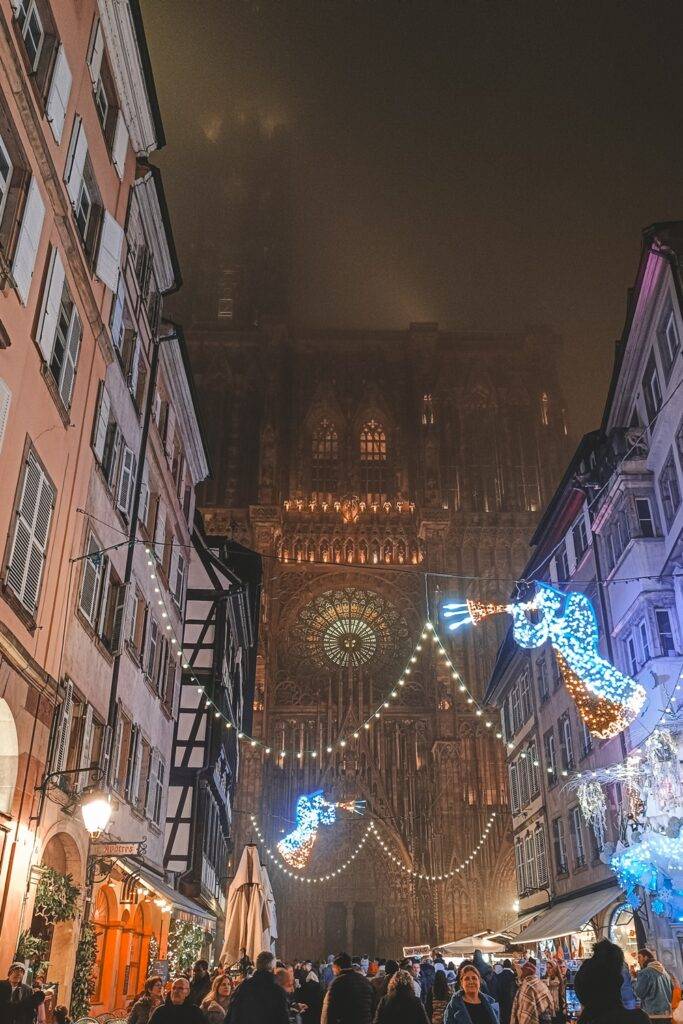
(170, 431)
(104, 591)
(152, 784)
(34, 514)
(27, 243)
(553, 570)
(120, 147)
(54, 289)
(5, 399)
(117, 314)
(109, 252)
(121, 611)
(62, 736)
(116, 748)
(173, 569)
(78, 151)
(143, 507)
(137, 765)
(101, 423)
(58, 96)
(73, 343)
(156, 408)
(96, 53)
(160, 530)
(86, 748)
(134, 368)
(90, 584)
(161, 774)
(126, 480)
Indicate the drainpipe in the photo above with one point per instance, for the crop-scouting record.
(132, 535)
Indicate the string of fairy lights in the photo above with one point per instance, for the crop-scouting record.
(343, 739)
(371, 831)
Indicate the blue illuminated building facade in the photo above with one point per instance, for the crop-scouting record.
(613, 531)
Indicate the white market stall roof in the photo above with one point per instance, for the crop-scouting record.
(568, 917)
(471, 942)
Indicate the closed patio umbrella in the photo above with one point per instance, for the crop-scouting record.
(246, 917)
(270, 906)
(467, 946)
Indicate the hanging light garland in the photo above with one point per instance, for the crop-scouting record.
(310, 879)
(446, 874)
(371, 830)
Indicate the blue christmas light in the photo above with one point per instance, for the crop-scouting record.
(654, 864)
(312, 811)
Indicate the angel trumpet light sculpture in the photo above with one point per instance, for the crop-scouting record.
(607, 699)
(312, 811)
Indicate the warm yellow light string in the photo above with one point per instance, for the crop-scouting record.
(372, 830)
(342, 741)
(447, 874)
(310, 879)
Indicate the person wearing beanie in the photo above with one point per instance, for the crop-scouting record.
(654, 987)
(598, 986)
(533, 1003)
(380, 983)
(349, 999)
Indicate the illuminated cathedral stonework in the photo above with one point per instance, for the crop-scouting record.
(356, 461)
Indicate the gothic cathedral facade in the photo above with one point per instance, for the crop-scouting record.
(378, 473)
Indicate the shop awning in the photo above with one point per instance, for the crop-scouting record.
(515, 927)
(568, 917)
(150, 880)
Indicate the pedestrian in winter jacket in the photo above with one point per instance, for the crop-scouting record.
(469, 1004)
(177, 1009)
(18, 1002)
(215, 1006)
(400, 1005)
(654, 987)
(349, 998)
(327, 973)
(426, 979)
(598, 985)
(152, 996)
(259, 999)
(439, 996)
(533, 1003)
(503, 987)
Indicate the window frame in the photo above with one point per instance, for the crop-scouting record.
(644, 519)
(667, 632)
(26, 10)
(652, 389)
(667, 352)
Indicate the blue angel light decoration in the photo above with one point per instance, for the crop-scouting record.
(312, 811)
(607, 699)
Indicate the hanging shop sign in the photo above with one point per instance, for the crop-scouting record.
(118, 849)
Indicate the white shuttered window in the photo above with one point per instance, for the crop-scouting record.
(28, 241)
(5, 399)
(31, 530)
(109, 252)
(58, 96)
(120, 146)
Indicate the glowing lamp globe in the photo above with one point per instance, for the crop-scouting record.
(96, 811)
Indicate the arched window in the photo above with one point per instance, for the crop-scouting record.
(324, 461)
(373, 460)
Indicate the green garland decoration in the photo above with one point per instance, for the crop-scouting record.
(185, 942)
(83, 986)
(57, 897)
(31, 948)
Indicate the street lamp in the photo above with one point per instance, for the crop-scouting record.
(96, 810)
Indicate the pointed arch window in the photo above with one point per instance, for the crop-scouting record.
(373, 461)
(324, 461)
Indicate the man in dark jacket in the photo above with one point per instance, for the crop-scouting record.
(259, 998)
(178, 1009)
(427, 972)
(18, 1002)
(349, 999)
(200, 986)
(502, 988)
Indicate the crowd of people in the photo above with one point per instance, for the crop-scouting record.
(362, 991)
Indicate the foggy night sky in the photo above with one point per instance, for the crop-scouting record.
(489, 165)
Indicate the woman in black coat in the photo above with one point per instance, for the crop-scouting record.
(311, 995)
(400, 1005)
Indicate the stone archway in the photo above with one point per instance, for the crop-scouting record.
(9, 757)
(61, 854)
